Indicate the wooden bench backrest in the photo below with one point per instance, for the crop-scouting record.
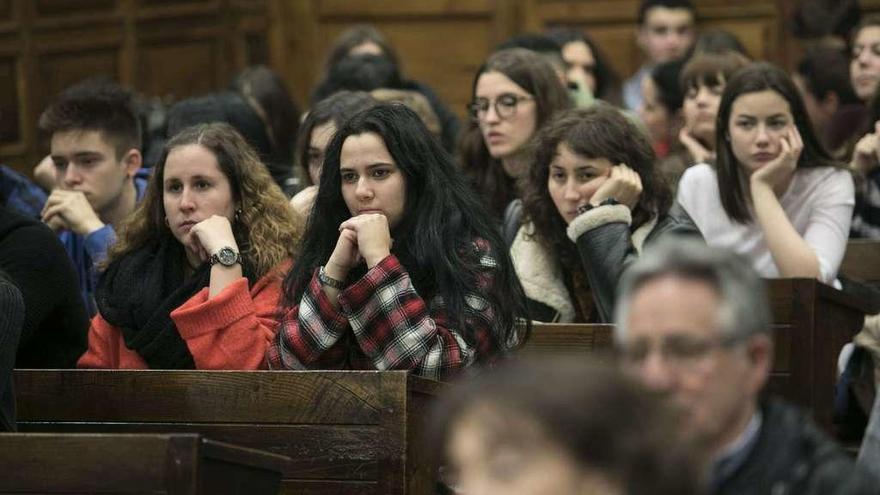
(862, 260)
(345, 432)
(125, 463)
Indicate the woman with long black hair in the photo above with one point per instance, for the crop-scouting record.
(401, 267)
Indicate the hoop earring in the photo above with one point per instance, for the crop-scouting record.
(237, 216)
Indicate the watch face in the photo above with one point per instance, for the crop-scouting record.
(227, 256)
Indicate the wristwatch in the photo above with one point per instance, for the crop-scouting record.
(226, 256)
(587, 207)
(328, 280)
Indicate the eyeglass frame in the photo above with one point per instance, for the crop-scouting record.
(679, 359)
(475, 108)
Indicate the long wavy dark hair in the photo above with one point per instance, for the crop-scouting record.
(757, 77)
(600, 131)
(533, 74)
(435, 240)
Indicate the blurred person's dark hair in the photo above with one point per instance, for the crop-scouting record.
(667, 77)
(338, 109)
(647, 5)
(266, 93)
(607, 80)
(96, 104)
(826, 70)
(718, 41)
(354, 37)
(364, 72)
(710, 69)
(817, 19)
(229, 107)
(543, 45)
(603, 420)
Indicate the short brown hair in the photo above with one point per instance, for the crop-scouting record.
(711, 69)
(95, 105)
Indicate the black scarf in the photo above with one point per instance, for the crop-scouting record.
(137, 294)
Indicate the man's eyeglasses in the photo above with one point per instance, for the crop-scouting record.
(677, 351)
(505, 106)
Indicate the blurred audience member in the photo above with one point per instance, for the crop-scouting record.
(315, 133)
(864, 68)
(367, 40)
(586, 64)
(53, 334)
(267, 95)
(665, 33)
(835, 110)
(19, 194)
(693, 323)
(660, 109)
(567, 426)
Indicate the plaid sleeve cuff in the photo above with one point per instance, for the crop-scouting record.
(359, 293)
(322, 305)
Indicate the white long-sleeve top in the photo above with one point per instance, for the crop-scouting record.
(818, 203)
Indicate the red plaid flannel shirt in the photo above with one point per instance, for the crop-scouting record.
(382, 323)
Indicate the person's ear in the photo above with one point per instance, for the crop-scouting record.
(759, 352)
(132, 161)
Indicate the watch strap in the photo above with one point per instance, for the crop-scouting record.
(328, 280)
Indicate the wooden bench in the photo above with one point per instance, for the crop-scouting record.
(811, 321)
(112, 463)
(862, 261)
(346, 432)
(561, 338)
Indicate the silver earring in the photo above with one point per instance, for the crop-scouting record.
(237, 215)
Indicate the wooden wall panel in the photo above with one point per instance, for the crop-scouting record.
(440, 42)
(178, 80)
(175, 48)
(612, 24)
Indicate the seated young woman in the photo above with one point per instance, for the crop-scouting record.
(195, 277)
(774, 195)
(315, 132)
(401, 265)
(514, 93)
(592, 200)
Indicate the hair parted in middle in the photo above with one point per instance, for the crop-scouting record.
(533, 74)
(266, 230)
(600, 131)
(754, 78)
(435, 239)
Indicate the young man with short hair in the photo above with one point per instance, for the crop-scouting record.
(666, 32)
(95, 147)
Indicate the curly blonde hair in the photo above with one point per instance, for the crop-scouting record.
(266, 229)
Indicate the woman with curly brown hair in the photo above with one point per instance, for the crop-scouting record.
(195, 278)
(592, 199)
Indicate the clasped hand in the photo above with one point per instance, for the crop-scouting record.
(364, 237)
(70, 210)
(866, 155)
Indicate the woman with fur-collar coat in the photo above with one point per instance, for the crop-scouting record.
(592, 202)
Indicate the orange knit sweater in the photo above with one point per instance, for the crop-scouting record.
(228, 332)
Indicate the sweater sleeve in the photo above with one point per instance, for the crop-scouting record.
(233, 329)
(101, 353)
(828, 229)
(393, 326)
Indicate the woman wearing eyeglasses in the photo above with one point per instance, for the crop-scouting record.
(514, 93)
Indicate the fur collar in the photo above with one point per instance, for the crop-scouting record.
(540, 275)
